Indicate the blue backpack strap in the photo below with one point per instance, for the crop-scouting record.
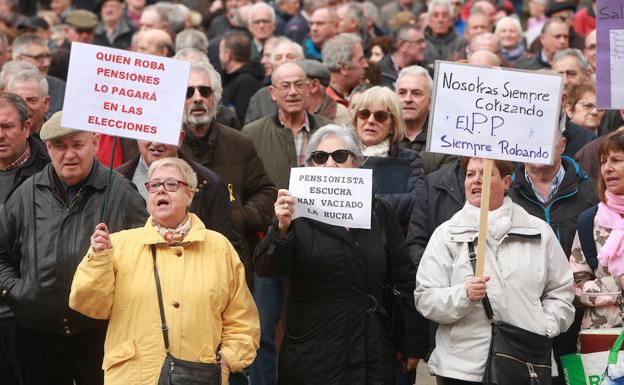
(586, 236)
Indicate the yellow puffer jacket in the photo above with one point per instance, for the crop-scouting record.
(205, 296)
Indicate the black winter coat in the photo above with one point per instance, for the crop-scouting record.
(403, 203)
(43, 239)
(240, 86)
(336, 331)
(38, 160)
(441, 197)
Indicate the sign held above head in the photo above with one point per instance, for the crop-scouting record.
(494, 113)
(123, 93)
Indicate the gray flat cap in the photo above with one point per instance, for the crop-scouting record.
(52, 128)
(315, 70)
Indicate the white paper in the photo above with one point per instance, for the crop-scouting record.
(337, 196)
(616, 63)
(125, 93)
(494, 113)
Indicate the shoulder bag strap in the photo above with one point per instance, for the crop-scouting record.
(487, 306)
(163, 321)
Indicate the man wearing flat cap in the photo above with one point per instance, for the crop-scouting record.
(45, 229)
(80, 27)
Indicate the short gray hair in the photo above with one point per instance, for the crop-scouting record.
(259, 6)
(191, 55)
(575, 53)
(416, 70)
(22, 43)
(370, 11)
(12, 67)
(355, 11)
(338, 51)
(346, 135)
(192, 38)
(215, 79)
(511, 19)
(444, 3)
(189, 176)
(283, 40)
(174, 15)
(28, 75)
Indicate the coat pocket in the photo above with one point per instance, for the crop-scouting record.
(124, 352)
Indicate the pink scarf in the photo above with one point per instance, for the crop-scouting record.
(610, 216)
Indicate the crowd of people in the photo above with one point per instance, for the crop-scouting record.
(190, 251)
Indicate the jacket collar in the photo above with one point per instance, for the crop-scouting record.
(98, 177)
(311, 121)
(573, 175)
(196, 234)
(462, 230)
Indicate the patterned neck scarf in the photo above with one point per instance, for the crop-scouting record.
(175, 236)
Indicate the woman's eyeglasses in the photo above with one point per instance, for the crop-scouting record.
(204, 91)
(339, 156)
(380, 116)
(171, 185)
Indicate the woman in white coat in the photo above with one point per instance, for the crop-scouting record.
(527, 278)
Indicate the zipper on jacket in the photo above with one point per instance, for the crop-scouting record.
(532, 373)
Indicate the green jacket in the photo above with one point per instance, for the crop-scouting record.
(276, 145)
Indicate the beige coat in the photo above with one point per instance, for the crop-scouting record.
(205, 296)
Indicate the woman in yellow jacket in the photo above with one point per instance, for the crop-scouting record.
(207, 304)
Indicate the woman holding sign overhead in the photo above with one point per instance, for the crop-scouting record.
(526, 278)
(377, 117)
(339, 329)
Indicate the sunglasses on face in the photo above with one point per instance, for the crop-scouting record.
(380, 116)
(170, 185)
(204, 91)
(339, 156)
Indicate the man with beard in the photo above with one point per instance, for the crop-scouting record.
(230, 155)
(281, 140)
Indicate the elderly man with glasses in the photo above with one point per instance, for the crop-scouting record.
(33, 49)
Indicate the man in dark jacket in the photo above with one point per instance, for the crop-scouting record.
(408, 48)
(557, 194)
(211, 201)
(241, 76)
(45, 230)
(443, 43)
(114, 30)
(21, 156)
(554, 38)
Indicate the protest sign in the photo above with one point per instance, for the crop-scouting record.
(609, 54)
(123, 93)
(337, 196)
(494, 113)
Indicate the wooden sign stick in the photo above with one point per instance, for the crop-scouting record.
(483, 217)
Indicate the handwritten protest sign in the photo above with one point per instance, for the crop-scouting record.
(337, 196)
(122, 93)
(609, 53)
(494, 113)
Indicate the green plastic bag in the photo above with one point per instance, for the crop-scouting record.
(573, 369)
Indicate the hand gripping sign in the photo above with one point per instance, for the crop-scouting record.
(494, 113)
(337, 196)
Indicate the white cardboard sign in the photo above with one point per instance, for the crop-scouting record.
(494, 113)
(123, 93)
(337, 196)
